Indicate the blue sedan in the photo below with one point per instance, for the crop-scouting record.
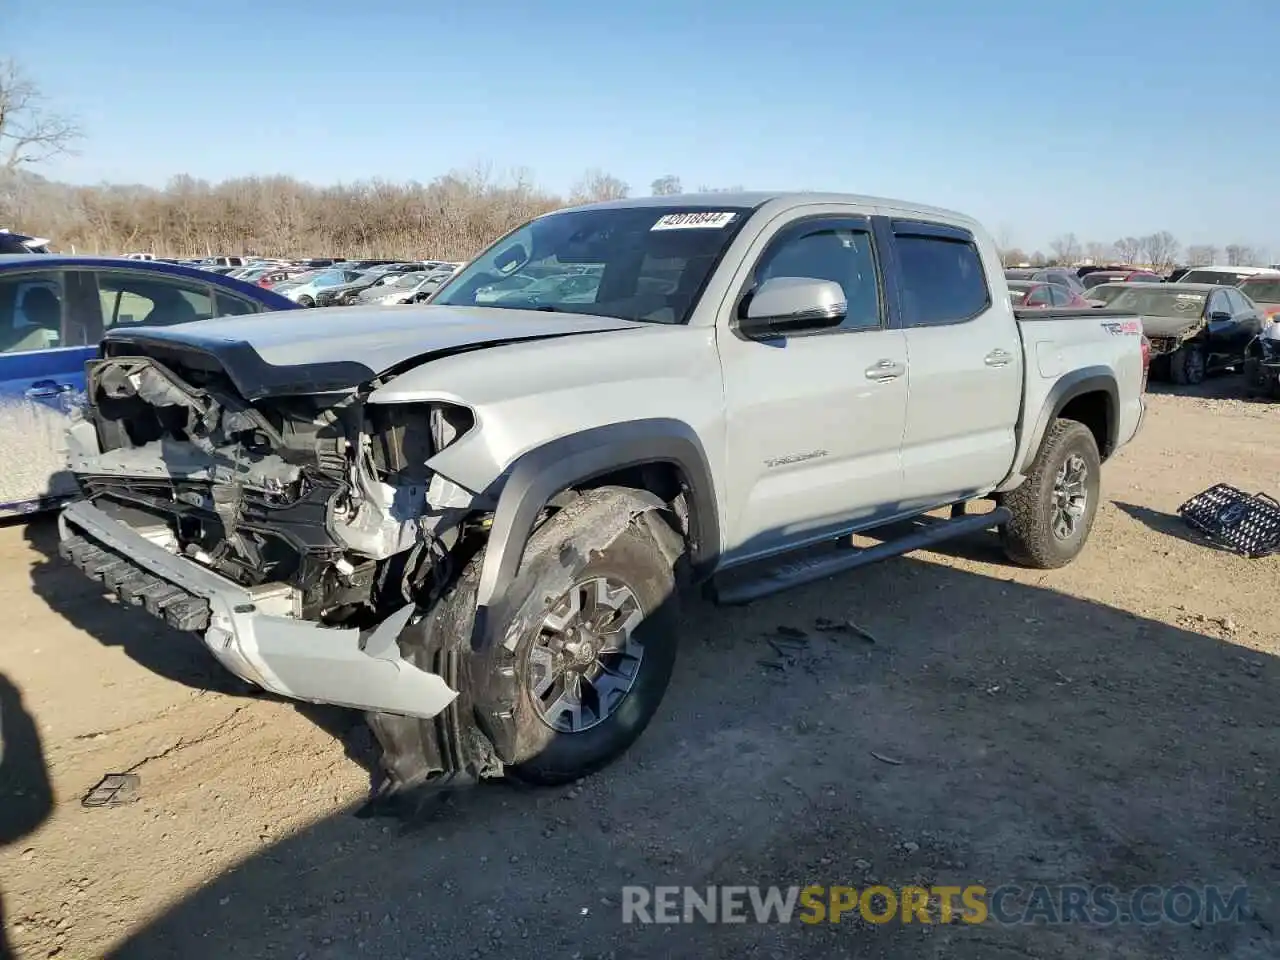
(53, 312)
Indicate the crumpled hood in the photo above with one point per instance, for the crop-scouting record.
(369, 337)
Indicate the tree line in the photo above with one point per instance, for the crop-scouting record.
(451, 217)
(1161, 251)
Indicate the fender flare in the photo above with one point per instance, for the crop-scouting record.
(1071, 385)
(539, 474)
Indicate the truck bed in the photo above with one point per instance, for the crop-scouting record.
(1030, 314)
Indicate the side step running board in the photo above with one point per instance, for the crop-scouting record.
(797, 571)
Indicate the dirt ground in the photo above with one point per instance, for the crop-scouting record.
(1114, 722)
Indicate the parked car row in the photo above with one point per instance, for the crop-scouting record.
(329, 281)
(1198, 321)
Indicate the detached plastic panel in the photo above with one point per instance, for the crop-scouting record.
(1248, 524)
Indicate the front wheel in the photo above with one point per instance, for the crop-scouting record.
(305, 301)
(592, 646)
(594, 670)
(1054, 508)
(1188, 365)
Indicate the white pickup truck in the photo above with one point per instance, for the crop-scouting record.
(472, 521)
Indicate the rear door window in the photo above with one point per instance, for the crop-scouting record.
(942, 277)
(229, 305)
(151, 299)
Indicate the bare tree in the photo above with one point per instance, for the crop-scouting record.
(1038, 259)
(29, 133)
(1240, 255)
(1159, 250)
(596, 185)
(1099, 253)
(1012, 256)
(666, 186)
(1066, 249)
(1128, 249)
(1202, 255)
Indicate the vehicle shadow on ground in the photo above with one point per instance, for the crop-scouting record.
(26, 796)
(1221, 385)
(991, 732)
(159, 649)
(1169, 524)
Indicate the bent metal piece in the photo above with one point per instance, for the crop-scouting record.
(251, 630)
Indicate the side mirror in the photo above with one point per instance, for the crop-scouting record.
(1220, 317)
(786, 305)
(1096, 303)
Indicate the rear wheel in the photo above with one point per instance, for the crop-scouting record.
(1053, 509)
(1188, 364)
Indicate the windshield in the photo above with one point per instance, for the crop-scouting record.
(1154, 302)
(634, 263)
(1106, 292)
(328, 278)
(1262, 291)
(1223, 278)
(407, 280)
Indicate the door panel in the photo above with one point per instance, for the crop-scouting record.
(814, 439)
(814, 425)
(966, 367)
(42, 359)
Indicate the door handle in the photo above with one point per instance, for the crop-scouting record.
(997, 358)
(885, 370)
(42, 389)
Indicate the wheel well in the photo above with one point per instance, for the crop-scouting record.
(1093, 409)
(664, 480)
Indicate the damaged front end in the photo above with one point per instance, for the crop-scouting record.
(293, 532)
(319, 493)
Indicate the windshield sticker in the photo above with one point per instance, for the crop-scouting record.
(694, 220)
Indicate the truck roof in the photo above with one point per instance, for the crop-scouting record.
(782, 200)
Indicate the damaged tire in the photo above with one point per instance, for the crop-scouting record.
(1053, 509)
(592, 657)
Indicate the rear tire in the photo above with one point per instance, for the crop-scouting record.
(1188, 365)
(1054, 508)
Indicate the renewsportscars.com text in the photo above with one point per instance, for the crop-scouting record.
(1007, 904)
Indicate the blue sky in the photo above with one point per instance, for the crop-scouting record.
(1037, 118)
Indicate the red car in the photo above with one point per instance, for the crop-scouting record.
(1037, 293)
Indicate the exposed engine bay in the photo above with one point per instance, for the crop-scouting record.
(325, 493)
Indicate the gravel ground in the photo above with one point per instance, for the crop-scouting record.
(1109, 723)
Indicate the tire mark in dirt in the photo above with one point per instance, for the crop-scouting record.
(184, 743)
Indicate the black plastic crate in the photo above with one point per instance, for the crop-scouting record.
(1248, 523)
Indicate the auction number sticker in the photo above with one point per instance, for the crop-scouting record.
(695, 220)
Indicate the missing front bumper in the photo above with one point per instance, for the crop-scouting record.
(252, 630)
